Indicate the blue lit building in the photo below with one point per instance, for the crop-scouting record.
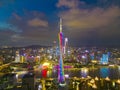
(104, 59)
(92, 57)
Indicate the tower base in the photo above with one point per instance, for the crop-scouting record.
(62, 84)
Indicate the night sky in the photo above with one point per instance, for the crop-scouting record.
(36, 22)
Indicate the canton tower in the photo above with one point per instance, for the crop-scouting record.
(61, 77)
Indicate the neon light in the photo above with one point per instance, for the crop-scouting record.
(61, 77)
(44, 73)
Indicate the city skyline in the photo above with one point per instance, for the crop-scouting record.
(85, 22)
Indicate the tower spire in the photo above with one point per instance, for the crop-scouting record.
(60, 24)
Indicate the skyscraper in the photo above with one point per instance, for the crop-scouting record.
(65, 45)
(61, 77)
(104, 59)
(17, 57)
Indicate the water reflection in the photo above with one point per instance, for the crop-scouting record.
(84, 72)
(104, 72)
(44, 73)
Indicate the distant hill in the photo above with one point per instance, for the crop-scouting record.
(29, 46)
(37, 46)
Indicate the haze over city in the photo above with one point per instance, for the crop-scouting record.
(36, 22)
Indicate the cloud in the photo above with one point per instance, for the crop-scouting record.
(16, 16)
(35, 28)
(5, 37)
(29, 19)
(109, 2)
(6, 26)
(29, 28)
(16, 38)
(67, 3)
(90, 23)
(76, 18)
(36, 22)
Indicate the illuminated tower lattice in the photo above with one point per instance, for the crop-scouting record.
(61, 78)
(104, 59)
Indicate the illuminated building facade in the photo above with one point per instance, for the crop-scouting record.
(17, 57)
(65, 48)
(104, 59)
(22, 59)
(92, 56)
